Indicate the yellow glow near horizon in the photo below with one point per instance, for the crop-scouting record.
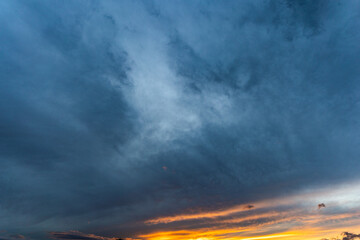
(295, 217)
(332, 226)
(268, 237)
(304, 234)
(210, 236)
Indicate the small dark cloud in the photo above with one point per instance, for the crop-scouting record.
(5, 236)
(18, 236)
(350, 236)
(321, 205)
(76, 235)
(345, 236)
(249, 206)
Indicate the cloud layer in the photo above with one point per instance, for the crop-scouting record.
(114, 113)
(73, 235)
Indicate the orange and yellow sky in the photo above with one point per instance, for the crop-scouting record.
(290, 217)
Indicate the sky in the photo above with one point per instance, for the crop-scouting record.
(192, 120)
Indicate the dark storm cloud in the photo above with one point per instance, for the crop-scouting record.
(62, 115)
(239, 101)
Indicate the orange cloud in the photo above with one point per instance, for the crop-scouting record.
(293, 217)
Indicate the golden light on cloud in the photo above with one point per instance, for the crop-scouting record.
(213, 214)
(203, 234)
(269, 237)
(246, 234)
(209, 234)
(292, 218)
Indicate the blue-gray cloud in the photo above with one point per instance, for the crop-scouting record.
(238, 101)
(78, 235)
(6, 236)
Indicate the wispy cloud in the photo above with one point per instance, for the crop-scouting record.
(74, 235)
(345, 236)
(270, 219)
(7, 236)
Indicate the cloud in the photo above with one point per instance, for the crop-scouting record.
(292, 215)
(114, 113)
(346, 236)
(249, 206)
(7, 236)
(349, 236)
(78, 235)
(321, 205)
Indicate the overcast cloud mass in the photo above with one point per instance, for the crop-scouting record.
(117, 114)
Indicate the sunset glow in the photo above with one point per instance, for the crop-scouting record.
(293, 217)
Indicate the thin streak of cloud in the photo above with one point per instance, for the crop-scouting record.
(275, 216)
(7, 236)
(74, 235)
